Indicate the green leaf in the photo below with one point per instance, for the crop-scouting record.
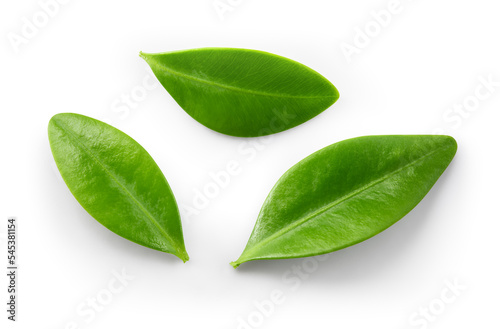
(241, 92)
(346, 193)
(117, 182)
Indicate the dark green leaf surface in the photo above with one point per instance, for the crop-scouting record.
(117, 182)
(345, 194)
(242, 92)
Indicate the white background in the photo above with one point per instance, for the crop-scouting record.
(404, 80)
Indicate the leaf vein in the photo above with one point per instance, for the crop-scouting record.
(233, 88)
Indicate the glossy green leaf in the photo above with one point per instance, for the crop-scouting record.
(242, 92)
(346, 193)
(117, 182)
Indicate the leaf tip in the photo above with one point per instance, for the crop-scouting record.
(63, 116)
(54, 118)
(451, 143)
(183, 255)
(144, 56)
(55, 121)
(335, 92)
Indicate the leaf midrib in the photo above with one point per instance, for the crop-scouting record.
(225, 86)
(117, 180)
(318, 212)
